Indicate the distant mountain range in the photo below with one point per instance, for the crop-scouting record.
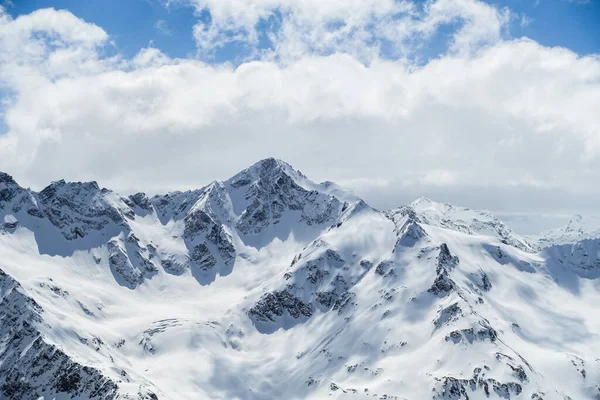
(271, 286)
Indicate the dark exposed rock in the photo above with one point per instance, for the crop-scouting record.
(485, 285)
(30, 366)
(121, 265)
(273, 305)
(410, 234)
(448, 314)
(385, 268)
(388, 295)
(197, 222)
(203, 257)
(6, 178)
(344, 300)
(204, 235)
(446, 260)
(482, 332)
(172, 266)
(77, 208)
(142, 201)
(272, 186)
(223, 241)
(517, 370)
(458, 388)
(35, 212)
(442, 285)
(320, 283)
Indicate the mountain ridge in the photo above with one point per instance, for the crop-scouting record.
(183, 295)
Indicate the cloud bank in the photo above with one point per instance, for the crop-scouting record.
(338, 90)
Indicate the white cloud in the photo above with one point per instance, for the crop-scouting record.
(507, 122)
(163, 27)
(366, 29)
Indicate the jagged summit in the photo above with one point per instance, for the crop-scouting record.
(579, 228)
(269, 168)
(6, 178)
(185, 295)
(63, 187)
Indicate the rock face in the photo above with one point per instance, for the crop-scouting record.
(77, 209)
(205, 236)
(268, 285)
(453, 388)
(121, 265)
(273, 306)
(271, 189)
(32, 367)
(443, 284)
(317, 279)
(15, 200)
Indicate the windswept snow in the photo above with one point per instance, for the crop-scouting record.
(270, 286)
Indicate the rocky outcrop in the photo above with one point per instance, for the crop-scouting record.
(445, 260)
(31, 367)
(276, 304)
(77, 208)
(203, 257)
(321, 282)
(448, 314)
(121, 265)
(443, 284)
(273, 187)
(459, 388)
(15, 200)
(482, 331)
(208, 240)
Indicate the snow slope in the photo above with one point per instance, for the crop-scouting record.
(270, 286)
(579, 228)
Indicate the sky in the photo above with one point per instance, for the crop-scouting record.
(492, 105)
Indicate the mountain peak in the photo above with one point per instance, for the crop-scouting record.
(271, 166)
(425, 204)
(269, 169)
(579, 228)
(422, 200)
(73, 188)
(6, 178)
(461, 219)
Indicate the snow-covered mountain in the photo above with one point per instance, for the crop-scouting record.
(579, 228)
(270, 286)
(576, 245)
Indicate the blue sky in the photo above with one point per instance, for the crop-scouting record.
(131, 23)
(135, 24)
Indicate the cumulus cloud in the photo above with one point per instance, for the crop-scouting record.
(493, 122)
(366, 29)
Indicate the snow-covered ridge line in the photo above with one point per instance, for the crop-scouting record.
(578, 229)
(460, 219)
(268, 285)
